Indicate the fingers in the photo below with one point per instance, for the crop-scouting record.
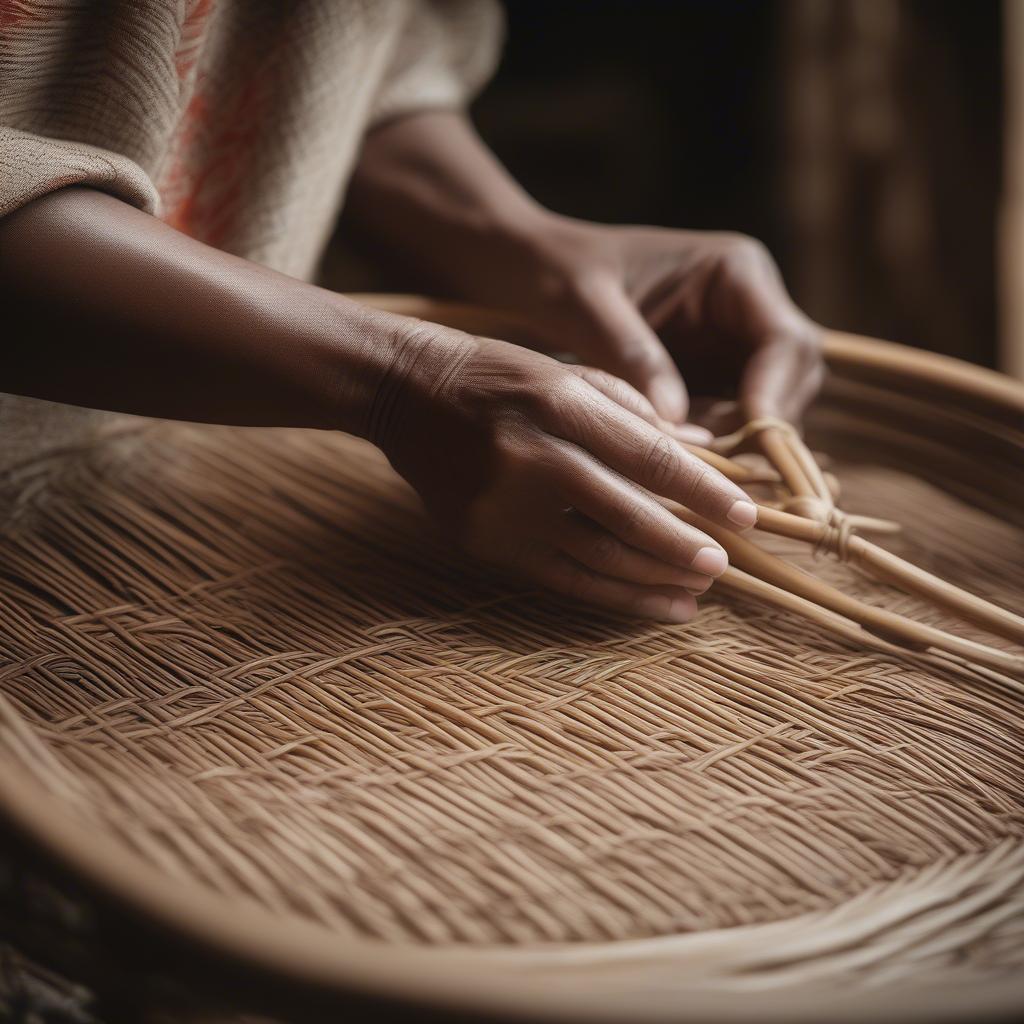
(647, 456)
(624, 344)
(784, 370)
(629, 398)
(571, 579)
(598, 550)
(632, 516)
(781, 377)
(810, 377)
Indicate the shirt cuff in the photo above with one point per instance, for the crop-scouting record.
(33, 165)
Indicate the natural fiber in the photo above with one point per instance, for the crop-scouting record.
(244, 653)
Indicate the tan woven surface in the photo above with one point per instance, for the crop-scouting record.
(244, 653)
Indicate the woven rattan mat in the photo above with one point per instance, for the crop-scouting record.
(245, 654)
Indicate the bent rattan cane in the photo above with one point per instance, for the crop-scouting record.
(247, 691)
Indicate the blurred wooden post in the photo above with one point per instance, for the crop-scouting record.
(892, 164)
(1011, 213)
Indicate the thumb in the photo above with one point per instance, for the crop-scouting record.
(619, 340)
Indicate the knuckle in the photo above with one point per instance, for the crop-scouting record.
(600, 379)
(583, 371)
(566, 393)
(508, 452)
(570, 404)
(522, 457)
(743, 259)
(739, 246)
(696, 482)
(624, 394)
(660, 464)
(621, 392)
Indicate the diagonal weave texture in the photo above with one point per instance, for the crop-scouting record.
(243, 653)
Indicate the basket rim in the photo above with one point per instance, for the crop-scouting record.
(235, 938)
(303, 954)
(947, 373)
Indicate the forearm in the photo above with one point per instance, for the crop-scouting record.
(121, 312)
(429, 191)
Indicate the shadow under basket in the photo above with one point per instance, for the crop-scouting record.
(281, 749)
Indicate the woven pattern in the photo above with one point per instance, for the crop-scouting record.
(244, 653)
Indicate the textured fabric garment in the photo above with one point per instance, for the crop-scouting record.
(235, 121)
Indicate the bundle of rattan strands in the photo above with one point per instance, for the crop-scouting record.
(247, 692)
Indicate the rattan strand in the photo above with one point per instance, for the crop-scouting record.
(243, 653)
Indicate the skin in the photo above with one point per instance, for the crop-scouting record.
(547, 470)
(650, 305)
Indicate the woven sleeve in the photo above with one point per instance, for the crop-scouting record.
(87, 94)
(33, 165)
(445, 53)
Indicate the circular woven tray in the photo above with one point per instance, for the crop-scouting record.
(245, 691)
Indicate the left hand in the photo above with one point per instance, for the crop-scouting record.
(674, 313)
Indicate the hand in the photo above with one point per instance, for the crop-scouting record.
(551, 471)
(659, 307)
(650, 305)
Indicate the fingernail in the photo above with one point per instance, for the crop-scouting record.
(742, 513)
(710, 561)
(667, 609)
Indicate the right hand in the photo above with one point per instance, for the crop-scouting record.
(550, 471)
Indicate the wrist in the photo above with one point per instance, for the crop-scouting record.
(428, 190)
(489, 246)
(526, 260)
(411, 366)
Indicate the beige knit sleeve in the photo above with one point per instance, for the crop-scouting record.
(445, 52)
(32, 165)
(79, 84)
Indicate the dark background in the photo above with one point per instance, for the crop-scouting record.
(641, 112)
(742, 114)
